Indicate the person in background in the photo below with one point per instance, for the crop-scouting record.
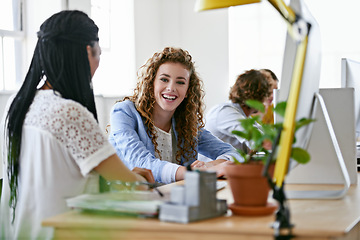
(268, 116)
(223, 118)
(160, 127)
(52, 140)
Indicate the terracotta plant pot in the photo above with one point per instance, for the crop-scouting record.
(248, 186)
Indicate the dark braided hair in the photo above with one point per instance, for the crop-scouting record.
(61, 58)
(252, 84)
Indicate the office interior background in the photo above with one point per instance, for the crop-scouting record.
(223, 42)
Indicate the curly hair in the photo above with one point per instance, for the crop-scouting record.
(252, 84)
(189, 113)
(272, 74)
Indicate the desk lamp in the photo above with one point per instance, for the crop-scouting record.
(299, 30)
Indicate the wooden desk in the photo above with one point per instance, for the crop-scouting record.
(313, 219)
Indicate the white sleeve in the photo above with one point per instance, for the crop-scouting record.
(77, 130)
(168, 173)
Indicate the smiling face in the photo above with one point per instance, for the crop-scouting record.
(170, 87)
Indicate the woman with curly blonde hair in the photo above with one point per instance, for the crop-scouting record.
(161, 126)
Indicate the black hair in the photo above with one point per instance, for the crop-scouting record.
(61, 58)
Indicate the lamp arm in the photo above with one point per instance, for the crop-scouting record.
(298, 27)
(285, 11)
(299, 30)
(287, 134)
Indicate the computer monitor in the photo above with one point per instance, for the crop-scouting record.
(311, 74)
(309, 99)
(323, 167)
(350, 78)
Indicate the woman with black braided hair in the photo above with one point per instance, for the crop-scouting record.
(52, 139)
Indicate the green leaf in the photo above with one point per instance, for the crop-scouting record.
(278, 125)
(269, 131)
(259, 158)
(256, 118)
(280, 109)
(256, 105)
(240, 134)
(256, 134)
(235, 160)
(300, 155)
(303, 122)
(247, 123)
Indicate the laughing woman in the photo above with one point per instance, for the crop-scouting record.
(160, 127)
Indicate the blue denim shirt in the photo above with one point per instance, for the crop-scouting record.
(134, 147)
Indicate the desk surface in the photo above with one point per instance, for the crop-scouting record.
(315, 219)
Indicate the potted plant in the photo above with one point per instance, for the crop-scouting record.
(249, 187)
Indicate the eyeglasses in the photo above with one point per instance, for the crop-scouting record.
(118, 186)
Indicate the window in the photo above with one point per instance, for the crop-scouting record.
(11, 44)
(257, 37)
(116, 75)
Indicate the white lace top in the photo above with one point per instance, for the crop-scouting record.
(61, 144)
(164, 142)
(70, 123)
(168, 153)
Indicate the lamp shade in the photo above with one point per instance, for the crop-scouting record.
(202, 5)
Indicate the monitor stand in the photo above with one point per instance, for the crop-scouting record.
(326, 194)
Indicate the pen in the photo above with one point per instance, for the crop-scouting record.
(153, 186)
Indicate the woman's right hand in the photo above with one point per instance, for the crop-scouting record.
(145, 173)
(113, 168)
(198, 164)
(217, 165)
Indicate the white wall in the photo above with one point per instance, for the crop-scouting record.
(161, 23)
(36, 12)
(258, 37)
(116, 74)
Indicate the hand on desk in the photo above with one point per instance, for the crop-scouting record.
(145, 173)
(198, 164)
(216, 165)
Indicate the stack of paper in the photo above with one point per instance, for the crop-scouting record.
(138, 203)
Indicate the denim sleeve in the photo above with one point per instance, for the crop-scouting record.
(212, 147)
(133, 146)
